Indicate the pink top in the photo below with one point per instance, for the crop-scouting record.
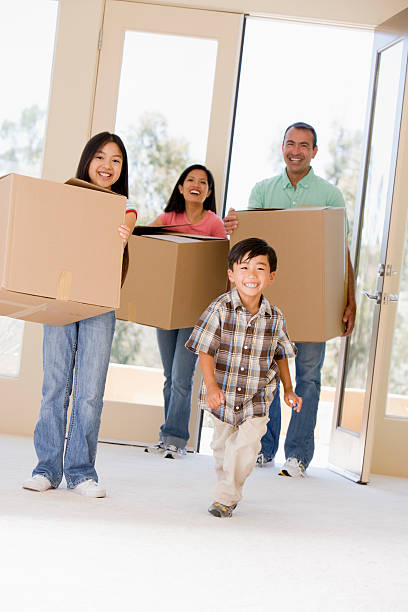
(210, 224)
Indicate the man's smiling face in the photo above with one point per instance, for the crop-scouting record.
(298, 151)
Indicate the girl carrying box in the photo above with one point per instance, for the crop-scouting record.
(84, 348)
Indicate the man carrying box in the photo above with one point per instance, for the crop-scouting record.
(298, 186)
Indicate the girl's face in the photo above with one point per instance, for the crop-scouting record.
(106, 166)
(195, 187)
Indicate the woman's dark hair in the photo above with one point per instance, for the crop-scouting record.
(176, 201)
(122, 184)
(94, 145)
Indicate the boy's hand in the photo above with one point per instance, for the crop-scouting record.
(214, 397)
(124, 233)
(230, 221)
(293, 400)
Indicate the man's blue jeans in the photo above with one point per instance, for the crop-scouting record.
(178, 365)
(299, 441)
(84, 347)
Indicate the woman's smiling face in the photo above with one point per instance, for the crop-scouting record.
(195, 187)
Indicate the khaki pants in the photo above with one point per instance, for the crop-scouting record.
(235, 451)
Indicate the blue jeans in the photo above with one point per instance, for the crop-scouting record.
(178, 365)
(299, 441)
(84, 347)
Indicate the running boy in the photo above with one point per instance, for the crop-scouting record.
(243, 348)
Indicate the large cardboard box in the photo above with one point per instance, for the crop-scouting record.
(60, 252)
(310, 283)
(172, 279)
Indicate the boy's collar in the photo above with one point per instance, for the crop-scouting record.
(264, 308)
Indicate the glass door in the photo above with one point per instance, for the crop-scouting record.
(366, 354)
(166, 85)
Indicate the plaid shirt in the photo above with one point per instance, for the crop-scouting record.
(245, 348)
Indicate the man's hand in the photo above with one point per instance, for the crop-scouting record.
(214, 397)
(230, 221)
(349, 318)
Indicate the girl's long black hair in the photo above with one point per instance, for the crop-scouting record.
(121, 186)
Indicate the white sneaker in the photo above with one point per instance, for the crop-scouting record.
(90, 488)
(37, 483)
(293, 468)
(155, 449)
(173, 452)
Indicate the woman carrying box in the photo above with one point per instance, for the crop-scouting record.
(191, 208)
(84, 348)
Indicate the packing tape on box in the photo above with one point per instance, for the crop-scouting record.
(24, 312)
(131, 311)
(64, 285)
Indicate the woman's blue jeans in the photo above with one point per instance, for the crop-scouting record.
(84, 347)
(178, 365)
(299, 441)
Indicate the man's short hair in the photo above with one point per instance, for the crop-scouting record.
(299, 125)
(252, 247)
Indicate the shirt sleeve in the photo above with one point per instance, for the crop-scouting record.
(206, 334)
(217, 227)
(130, 208)
(285, 349)
(256, 199)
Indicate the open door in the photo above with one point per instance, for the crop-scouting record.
(378, 252)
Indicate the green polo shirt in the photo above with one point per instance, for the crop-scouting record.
(278, 192)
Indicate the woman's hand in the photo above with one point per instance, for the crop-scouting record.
(124, 233)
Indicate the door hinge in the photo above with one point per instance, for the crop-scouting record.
(100, 39)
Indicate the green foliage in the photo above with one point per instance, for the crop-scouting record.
(156, 161)
(21, 142)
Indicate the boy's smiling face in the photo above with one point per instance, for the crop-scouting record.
(251, 276)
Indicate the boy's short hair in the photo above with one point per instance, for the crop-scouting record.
(253, 247)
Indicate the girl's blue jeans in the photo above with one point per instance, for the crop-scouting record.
(84, 348)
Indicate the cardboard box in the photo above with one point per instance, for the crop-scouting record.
(311, 279)
(60, 253)
(172, 279)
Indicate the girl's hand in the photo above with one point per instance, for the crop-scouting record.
(292, 400)
(124, 233)
(214, 397)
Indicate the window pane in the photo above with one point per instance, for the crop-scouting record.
(27, 32)
(302, 72)
(379, 182)
(163, 116)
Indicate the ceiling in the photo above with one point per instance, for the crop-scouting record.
(368, 13)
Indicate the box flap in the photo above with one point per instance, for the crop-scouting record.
(75, 182)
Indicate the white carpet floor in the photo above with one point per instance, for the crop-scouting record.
(319, 544)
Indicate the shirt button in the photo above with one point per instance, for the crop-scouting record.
(245, 347)
(242, 369)
(236, 408)
(239, 389)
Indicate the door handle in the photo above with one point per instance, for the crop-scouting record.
(373, 296)
(382, 298)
